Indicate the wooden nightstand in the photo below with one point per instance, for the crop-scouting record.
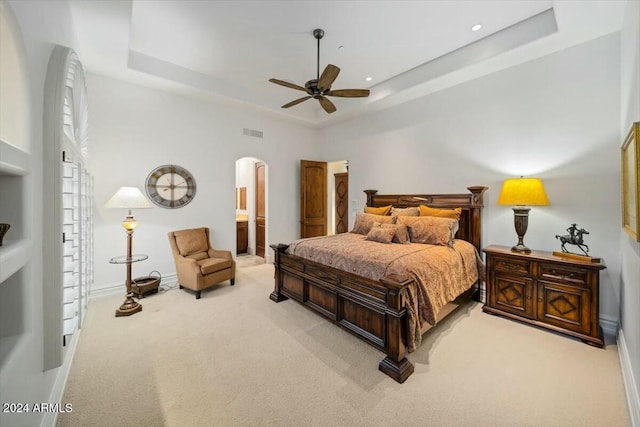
(539, 288)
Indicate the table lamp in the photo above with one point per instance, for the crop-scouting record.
(521, 193)
(128, 198)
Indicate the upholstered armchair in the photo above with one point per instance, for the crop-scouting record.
(198, 265)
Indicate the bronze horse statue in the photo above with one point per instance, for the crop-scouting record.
(574, 238)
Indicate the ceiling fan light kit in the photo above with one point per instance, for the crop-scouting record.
(320, 87)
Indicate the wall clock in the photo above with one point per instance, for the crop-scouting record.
(170, 186)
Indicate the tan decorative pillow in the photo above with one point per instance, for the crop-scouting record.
(191, 241)
(432, 230)
(364, 222)
(381, 234)
(412, 211)
(384, 210)
(441, 213)
(401, 232)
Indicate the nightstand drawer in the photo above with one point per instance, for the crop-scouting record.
(569, 275)
(512, 265)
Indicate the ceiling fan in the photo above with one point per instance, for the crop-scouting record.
(320, 87)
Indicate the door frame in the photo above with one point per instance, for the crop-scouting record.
(250, 211)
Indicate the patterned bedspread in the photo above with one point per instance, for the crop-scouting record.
(440, 273)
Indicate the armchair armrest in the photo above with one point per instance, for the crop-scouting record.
(187, 270)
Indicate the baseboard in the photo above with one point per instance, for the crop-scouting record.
(118, 288)
(630, 387)
(50, 419)
(609, 325)
(106, 290)
(169, 280)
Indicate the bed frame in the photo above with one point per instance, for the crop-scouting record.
(372, 310)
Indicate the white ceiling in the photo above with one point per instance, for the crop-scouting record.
(228, 50)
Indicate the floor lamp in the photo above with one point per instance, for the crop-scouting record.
(128, 198)
(521, 193)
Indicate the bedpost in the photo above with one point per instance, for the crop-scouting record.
(475, 215)
(396, 365)
(278, 249)
(370, 194)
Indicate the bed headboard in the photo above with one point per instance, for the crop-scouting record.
(470, 228)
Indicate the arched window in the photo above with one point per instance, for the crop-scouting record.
(68, 202)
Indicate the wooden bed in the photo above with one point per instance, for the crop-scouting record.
(372, 310)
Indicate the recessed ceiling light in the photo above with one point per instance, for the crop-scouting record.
(368, 79)
(476, 27)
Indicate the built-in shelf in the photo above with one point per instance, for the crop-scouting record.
(14, 254)
(11, 346)
(13, 161)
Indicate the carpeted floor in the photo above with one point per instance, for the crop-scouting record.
(246, 260)
(235, 358)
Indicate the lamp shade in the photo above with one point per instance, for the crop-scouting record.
(128, 198)
(523, 192)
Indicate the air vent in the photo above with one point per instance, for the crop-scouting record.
(251, 132)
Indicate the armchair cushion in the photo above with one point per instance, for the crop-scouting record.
(198, 256)
(211, 265)
(190, 242)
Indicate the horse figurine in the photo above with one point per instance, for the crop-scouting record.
(574, 238)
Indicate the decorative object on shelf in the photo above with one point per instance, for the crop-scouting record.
(574, 238)
(521, 193)
(170, 186)
(631, 182)
(3, 230)
(129, 198)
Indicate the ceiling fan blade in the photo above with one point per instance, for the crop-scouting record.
(287, 84)
(349, 93)
(327, 105)
(296, 102)
(328, 76)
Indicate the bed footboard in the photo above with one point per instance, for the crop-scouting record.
(373, 311)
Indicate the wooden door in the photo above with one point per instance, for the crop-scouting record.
(261, 219)
(342, 202)
(313, 198)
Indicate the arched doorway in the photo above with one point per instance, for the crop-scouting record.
(251, 211)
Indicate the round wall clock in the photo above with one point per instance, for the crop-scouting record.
(170, 186)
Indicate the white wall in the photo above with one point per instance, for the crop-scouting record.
(135, 129)
(14, 100)
(42, 25)
(556, 118)
(630, 277)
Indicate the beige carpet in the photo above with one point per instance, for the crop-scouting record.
(246, 260)
(235, 358)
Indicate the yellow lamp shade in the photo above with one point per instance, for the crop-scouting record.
(523, 192)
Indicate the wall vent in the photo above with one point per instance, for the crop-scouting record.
(251, 132)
